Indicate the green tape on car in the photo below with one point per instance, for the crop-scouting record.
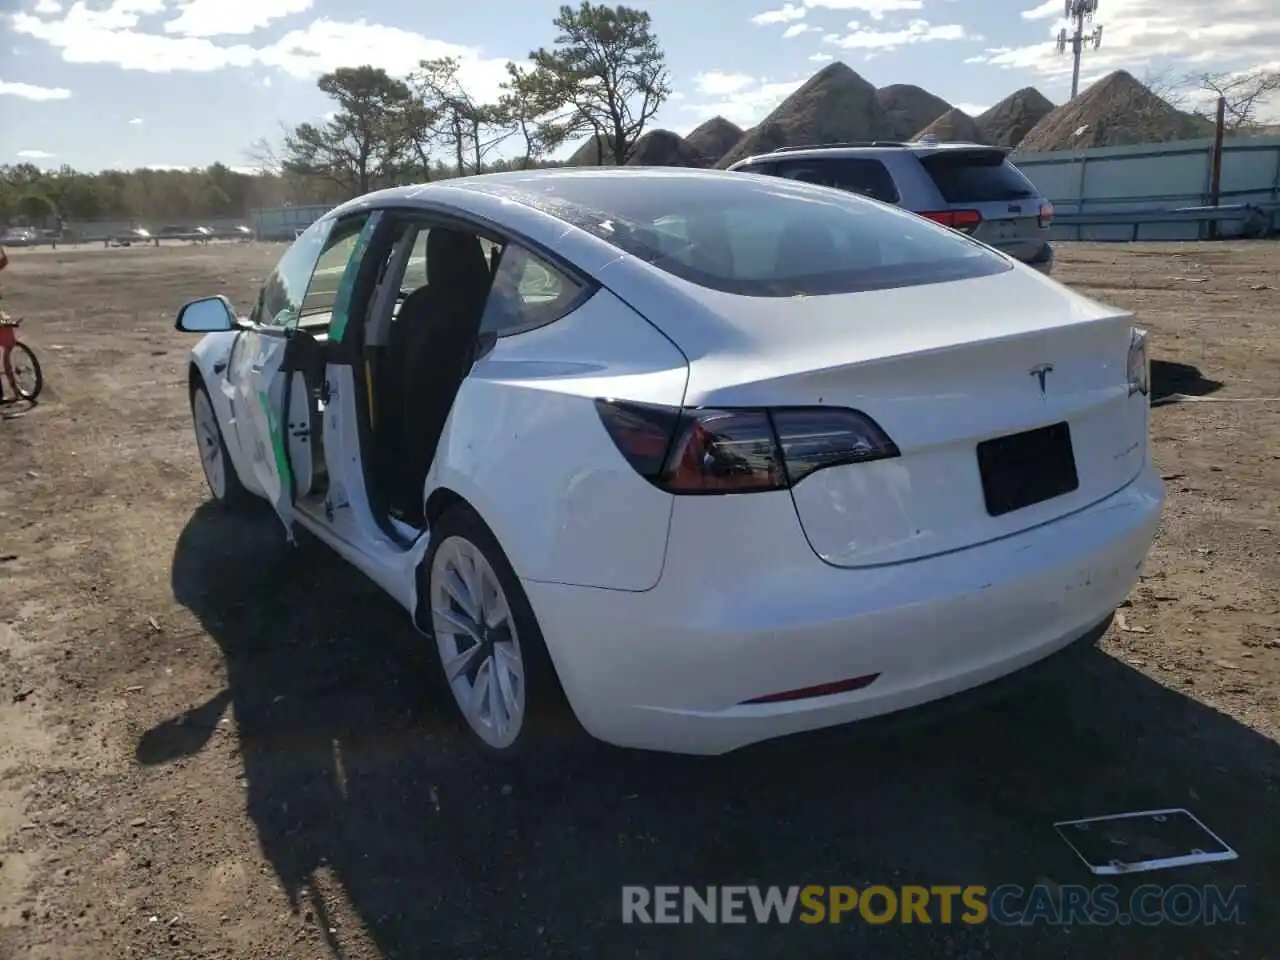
(342, 303)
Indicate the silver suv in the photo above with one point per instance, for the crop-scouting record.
(968, 186)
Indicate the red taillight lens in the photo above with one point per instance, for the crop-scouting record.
(965, 220)
(739, 450)
(1046, 214)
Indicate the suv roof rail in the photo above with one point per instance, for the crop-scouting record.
(836, 146)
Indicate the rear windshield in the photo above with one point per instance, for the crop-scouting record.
(757, 238)
(977, 177)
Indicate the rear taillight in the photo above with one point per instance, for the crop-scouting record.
(1046, 215)
(965, 220)
(739, 450)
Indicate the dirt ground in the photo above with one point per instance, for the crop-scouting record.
(214, 745)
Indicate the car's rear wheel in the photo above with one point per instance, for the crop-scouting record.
(219, 472)
(488, 642)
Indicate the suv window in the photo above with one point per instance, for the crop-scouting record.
(855, 174)
(742, 236)
(527, 293)
(972, 176)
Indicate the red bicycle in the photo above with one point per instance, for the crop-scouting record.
(18, 362)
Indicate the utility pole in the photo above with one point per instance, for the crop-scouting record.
(1078, 13)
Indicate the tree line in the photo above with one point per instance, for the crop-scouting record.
(604, 76)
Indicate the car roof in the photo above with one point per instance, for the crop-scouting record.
(916, 149)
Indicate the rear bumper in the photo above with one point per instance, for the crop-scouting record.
(745, 610)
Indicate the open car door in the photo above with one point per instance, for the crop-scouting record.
(279, 384)
(281, 410)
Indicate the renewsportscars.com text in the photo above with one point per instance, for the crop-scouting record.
(1006, 905)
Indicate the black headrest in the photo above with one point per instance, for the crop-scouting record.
(454, 257)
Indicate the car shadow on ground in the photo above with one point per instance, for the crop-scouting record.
(1169, 378)
(354, 764)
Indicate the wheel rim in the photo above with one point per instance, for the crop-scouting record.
(210, 442)
(477, 640)
(26, 381)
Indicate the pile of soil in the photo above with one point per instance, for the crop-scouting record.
(954, 126)
(1009, 121)
(713, 139)
(909, 108)
(1116, 111)
(594, 152)
(835, 105)
(662, 148)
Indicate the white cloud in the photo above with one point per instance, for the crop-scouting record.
(796, 29)
(821, 57)
(1186, 35)
(717, 84)
(29, 91)
(876, 9)
(1050, 9)
(35, 155)
(784, 14)
(214, 18)
(115, 35)
(917, 31)
(48, 7)
(737, 97)
(972, 109)
(136, 122)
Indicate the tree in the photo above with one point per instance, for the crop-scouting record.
(1167, 85)
(1243, 93)
(363, 142)
(608, 66)
(469, 128)
(530, 104)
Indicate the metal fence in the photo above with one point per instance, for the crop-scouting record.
(1151, 191)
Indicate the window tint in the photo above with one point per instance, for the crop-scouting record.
(280, 300)
(526, 293)
(330, 266)
(976, 176)
(415, 274)
(759, 238)
(857, 175)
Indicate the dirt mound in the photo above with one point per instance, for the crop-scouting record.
(590, 153)
(835, 105)
(1009, 121)
(1115, 111)
(954, 126)
(713, 139)
(662, 148)
(909, 108)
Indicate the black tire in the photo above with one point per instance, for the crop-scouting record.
(32, 391)
(233, 496)
(548, 725)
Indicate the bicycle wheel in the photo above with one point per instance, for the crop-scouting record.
(24, 372)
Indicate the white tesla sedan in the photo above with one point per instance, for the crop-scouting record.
(713, 457)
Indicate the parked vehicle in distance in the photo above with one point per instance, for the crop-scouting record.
(967, 186)
(184, 232)
(19, 237)
(713, 458)
(129, 237)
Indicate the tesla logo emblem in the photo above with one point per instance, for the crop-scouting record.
(1040, 371)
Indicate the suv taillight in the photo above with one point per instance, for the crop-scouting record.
(964, 220)
(739, 450)
(1046, 214)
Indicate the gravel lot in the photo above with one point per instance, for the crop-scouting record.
(213, 745)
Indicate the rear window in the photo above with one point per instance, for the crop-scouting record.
(976, 177)
(867, 177)
(757, 238)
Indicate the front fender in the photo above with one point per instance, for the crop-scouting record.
(211, 359)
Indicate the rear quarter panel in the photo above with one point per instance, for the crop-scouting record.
(525, 446)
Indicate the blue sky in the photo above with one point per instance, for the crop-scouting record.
(102, 83)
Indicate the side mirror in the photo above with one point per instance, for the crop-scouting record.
(207, 315)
